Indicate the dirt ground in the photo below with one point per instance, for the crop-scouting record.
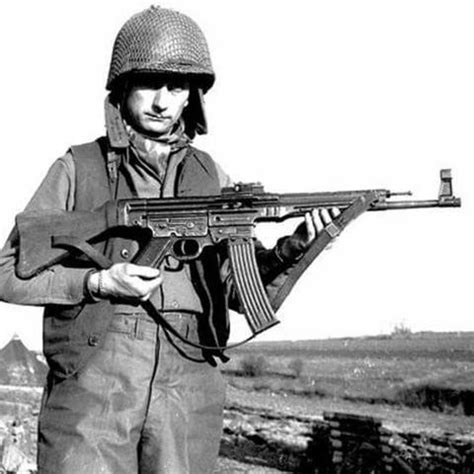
(417, 422)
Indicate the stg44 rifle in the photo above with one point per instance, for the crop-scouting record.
(182, 227)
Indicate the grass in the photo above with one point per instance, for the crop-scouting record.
(457, 346)
(429, 370)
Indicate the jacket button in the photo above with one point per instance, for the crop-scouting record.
(124, 253)
(93, 340)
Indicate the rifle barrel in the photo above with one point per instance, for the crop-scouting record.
(414, 204)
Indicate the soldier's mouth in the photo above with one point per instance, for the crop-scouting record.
(158, 118)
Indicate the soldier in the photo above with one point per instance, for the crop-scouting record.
(123, 394)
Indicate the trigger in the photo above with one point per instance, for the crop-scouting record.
(171, 264)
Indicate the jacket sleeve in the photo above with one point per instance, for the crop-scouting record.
(56, 285)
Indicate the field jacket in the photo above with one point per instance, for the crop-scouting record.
(73, 325)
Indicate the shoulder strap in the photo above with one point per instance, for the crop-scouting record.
(330, 232)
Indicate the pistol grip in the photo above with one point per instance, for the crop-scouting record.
(154, 252)
(251, 293)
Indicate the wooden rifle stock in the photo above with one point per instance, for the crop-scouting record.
(41, 233)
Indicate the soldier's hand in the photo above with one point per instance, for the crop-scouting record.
(293, 247)
(125, 280)
(316, 221)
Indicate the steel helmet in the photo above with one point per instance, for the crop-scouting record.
(160, 40)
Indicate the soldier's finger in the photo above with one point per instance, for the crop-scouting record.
(150, 286)
(317, 221)
(325, 217)
(310, 228)
(143, 271)
(334, 211)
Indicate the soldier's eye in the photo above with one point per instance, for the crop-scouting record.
(178, 85)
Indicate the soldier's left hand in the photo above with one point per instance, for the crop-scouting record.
(293, 247)
(316, 221)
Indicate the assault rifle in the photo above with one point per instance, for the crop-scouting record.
(182, 227)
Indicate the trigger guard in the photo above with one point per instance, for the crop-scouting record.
(185, 250)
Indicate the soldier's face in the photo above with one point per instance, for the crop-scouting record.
(153, 106)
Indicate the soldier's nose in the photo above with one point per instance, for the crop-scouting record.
(160, 101)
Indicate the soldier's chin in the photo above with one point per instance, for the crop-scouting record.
(157, 128)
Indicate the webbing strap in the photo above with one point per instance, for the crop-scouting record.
(359, 206)
(72, 242)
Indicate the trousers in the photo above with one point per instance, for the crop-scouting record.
(145, 403)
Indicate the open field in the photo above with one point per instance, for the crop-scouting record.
(456, 346)
(421, 386)
(428, 370)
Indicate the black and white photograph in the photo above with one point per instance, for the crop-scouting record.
(236, 237)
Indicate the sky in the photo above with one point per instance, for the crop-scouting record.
(310, 96)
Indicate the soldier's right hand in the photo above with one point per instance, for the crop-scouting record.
(125, 280)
